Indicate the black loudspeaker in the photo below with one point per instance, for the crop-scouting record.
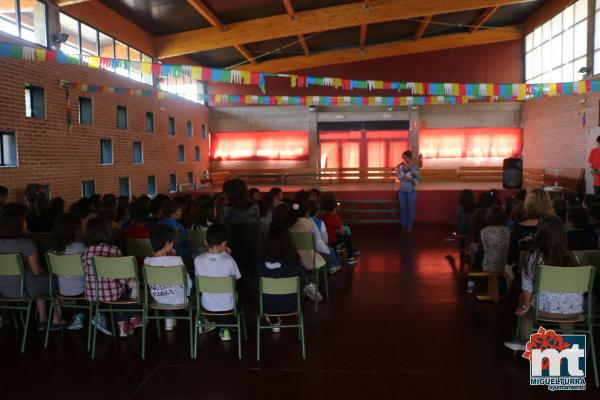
(512, 173)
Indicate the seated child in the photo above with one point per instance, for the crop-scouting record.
(577, 237)
(301, 222)
(98, 234)
(66, 233)
(280, 260)
(335, 230)
(217, 263)
(162, 238)
(314, 208)
(172, 211)
(549, 247)
(495, 239)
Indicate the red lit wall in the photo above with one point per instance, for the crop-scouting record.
(470, 142)
(273, 146)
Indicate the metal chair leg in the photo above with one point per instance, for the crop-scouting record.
(26, 326)
(50, 316)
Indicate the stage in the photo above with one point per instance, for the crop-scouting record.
(377, 202)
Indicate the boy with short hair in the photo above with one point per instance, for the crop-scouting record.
(217, 263)
(162, 238)
(172, 211)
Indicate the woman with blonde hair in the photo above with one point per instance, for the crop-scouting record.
(537, 206)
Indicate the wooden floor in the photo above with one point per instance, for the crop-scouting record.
(398, 326)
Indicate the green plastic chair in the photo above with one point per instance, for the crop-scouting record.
(67, 265)
(207, 284)
(165, 276)
(306, 242)
(12, 265)
(592, 257)
(279, 286)
(114, 268)
(139, 248)
(569, 280)
(197, 238)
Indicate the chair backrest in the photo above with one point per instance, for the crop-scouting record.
(11, 265)
(209, 284)
(115, 267)
(197, 238)
(66, 264)
(564, 279)
(588, 257)
(139, 248)
(304, 241)
(165, 275)
(280, 286)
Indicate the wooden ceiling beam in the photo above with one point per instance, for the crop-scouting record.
(206, 13)
(321, 19)
(290, 10)
(545, 13)
(423, 26)
(483, 18)
(212, 19)
(64, 3)
(244, 51)
(363, 36)
(432, 43)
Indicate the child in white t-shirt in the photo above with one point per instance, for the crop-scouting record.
(217, 263)
(162, 238)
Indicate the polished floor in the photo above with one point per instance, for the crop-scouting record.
(398, 326)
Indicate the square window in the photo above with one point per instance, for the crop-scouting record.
(568, 46)
(580, 48)
(197, 153)
(581, 10)
(138, 153)
(172, 126)
(172, 183)
(568, 15)
(151, 185)
(190, 129)
(8, 149)
(204, 133)
(124, 188)
(557, 25)
(107, 47)
(85, 111)
(89, 40)
(88, 189)
(191, 178)
(121, 117)
(35, 106)
(70, 25)
(181, 156)
(106, 156)
(149, 122)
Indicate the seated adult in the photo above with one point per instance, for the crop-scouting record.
(577, 237)
(594, 222)
(495, 240)
(537, 205)
(549, 247)
(13, 240)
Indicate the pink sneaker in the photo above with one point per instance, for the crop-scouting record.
(136, 322)
(125, 329)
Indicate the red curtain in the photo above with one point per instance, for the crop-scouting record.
(278, 145)
(470, 142)
(355, 149)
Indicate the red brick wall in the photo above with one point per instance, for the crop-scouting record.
(553, 135)
(48, 153)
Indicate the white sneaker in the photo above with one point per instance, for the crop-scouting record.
(275, 325)
(515, 345)
(170, 324)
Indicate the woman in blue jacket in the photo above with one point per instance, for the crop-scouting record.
(408, 174)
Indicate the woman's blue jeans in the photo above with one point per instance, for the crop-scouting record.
(407, 208)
